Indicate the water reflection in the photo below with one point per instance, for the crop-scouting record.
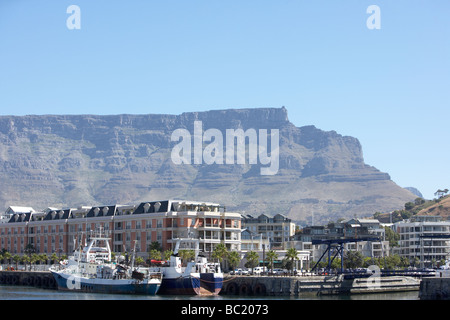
(30, 293)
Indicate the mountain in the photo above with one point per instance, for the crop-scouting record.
(414, 191)
(73, 160)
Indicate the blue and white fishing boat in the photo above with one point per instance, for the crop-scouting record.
(199, 277)
(91, 270)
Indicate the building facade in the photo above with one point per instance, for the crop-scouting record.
(277, 229)
(424, 238)
(347, 229)
(60, 231)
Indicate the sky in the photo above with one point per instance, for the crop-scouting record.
(389, 87)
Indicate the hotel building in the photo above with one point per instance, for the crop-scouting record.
(61, 230)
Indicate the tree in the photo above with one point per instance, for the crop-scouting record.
(54, 257)
(233, 259)
(392, 262)
(292, 254)
(409, 205)
(139, 261)
(354, 259)
(34, 258)
(220, 253)
(7, 256)
(252, 260)
(416, 261)
(392, 237)
(271, 256)
(418, 201)
(440, 193)
(167, 254)
(186, 255)
(404, 262)
(154, 254)
(42, 257)
(155, 245)
(16, 258)
(26, 259)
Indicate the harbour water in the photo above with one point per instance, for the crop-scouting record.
(31, 293)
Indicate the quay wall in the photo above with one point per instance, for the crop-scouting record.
(435, 289)
(40, 279)
(320, 285)
(431, 288)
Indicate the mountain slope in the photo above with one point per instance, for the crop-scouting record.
(71, 160)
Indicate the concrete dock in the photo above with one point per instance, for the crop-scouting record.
(276, 286)
(40, 279)
(435, 289)
(321, 285)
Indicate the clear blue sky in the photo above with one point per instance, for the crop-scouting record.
(390, 88)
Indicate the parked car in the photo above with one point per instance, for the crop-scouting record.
(259, 270)
(279, 271)
(240, 271)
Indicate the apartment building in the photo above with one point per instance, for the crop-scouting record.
(252, 241)
(129, 226)
(277, 229)
(347, 229)
(426, 238)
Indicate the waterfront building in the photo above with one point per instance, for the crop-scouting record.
(277, 229)
(252, 241)
(426, 238)
(62, 230)
(347, 229)
(4, 218)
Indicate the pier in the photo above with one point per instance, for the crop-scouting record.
(281, 285)
(320, 285)
(39, 279)
(435, 289)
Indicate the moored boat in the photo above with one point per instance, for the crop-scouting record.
(199, 277)
(91, 270)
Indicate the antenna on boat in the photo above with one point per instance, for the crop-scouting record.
(133, 256)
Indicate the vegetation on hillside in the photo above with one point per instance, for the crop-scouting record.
(412, 208)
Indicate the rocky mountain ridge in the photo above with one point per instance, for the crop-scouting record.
(72, 160)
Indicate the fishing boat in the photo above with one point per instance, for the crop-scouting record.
(91, 270)
(198, 277)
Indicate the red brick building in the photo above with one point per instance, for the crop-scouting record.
(58, 230)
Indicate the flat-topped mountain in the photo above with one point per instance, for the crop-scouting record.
(73, 160)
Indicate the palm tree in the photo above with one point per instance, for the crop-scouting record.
(54, 258)
(271, 256)
(233, 259)
(16, 258)
(292, 254)
(7, 256)
(34, 258)
(252, 260)
(25, 260)
(154, 254)
(220, 253)
(139, 261)
(167, 254)
(42, 258)
(186, 254)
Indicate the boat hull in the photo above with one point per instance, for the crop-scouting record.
(204, 284)
(70, 282)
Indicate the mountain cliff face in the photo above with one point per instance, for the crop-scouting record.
(72, 160)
